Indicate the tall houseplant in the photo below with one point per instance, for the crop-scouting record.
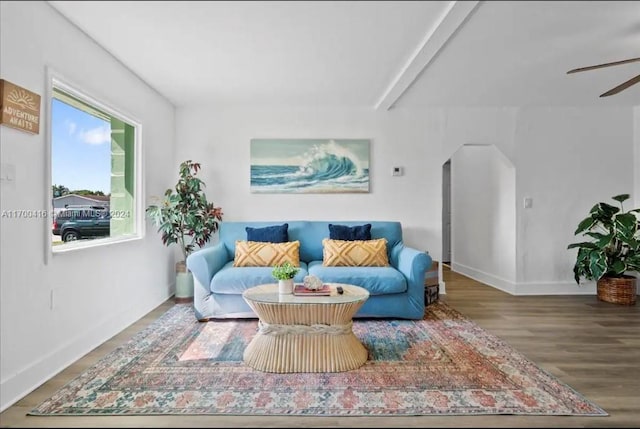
(612, 252)
(187, 219)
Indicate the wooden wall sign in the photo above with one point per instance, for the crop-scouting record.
(20, 107)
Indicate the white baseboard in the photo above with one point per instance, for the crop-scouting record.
(555, 288)
(486, 278)
(529, 288)
(14, 387)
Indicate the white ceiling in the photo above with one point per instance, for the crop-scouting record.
(367, 53)
(518, 53)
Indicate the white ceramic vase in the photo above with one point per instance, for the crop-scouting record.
(285, 287)
(184, 284)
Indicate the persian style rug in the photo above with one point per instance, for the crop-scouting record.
(442, 365)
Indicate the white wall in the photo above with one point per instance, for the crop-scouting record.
(477, 125)
(636, 157)
(636, 163)
(483, 126)
(41, 336)
(219, 139)
(567, 160)
(483, 212)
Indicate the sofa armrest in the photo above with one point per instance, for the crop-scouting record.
(204, 263)
(413, 264)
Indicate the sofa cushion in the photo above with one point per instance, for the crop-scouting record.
(377, 280)
(345, 232)
(356, 253)
(235, 280)
(259, 254)
(270, 234)
(310, 235)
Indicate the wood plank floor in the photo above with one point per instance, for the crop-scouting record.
(592, 346)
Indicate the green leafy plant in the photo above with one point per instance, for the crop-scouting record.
(614, 248)
(185, 217)
(284, 271)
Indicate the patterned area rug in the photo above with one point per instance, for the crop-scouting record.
(441, 365)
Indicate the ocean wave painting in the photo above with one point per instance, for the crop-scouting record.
(309, 165)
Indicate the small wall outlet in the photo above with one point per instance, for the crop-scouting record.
(397, 171)
(528, 202)
(7, 174)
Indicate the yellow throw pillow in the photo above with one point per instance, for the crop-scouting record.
(357, 253)
(260, 254)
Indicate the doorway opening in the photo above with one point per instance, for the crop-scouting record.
(446, 212)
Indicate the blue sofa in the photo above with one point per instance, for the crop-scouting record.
(396, 291)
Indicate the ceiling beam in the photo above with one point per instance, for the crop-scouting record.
(446, 26)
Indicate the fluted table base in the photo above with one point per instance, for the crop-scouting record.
(310, 336)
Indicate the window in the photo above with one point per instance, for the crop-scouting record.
(95, 186)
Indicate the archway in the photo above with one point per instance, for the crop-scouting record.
(479, 214)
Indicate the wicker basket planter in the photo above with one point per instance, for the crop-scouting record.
(617, 290)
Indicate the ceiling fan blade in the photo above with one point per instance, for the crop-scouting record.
(599, 66)
(622, 86)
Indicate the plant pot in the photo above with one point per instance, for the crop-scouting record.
(617, 290)
(184, 284)
(285, 287)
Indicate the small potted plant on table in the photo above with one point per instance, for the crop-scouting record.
(285, 273)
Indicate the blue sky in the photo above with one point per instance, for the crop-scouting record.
(81, 149)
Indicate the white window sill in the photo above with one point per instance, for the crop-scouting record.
(87, 244)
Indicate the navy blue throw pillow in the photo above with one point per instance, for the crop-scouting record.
(350, 233)
(269, 234)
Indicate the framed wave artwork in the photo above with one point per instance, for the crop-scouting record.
(309, 166)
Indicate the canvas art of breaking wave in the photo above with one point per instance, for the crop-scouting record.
(309, 166)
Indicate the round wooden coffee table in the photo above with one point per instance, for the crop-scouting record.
(305, 333)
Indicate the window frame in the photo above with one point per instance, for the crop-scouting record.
(57, 81)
